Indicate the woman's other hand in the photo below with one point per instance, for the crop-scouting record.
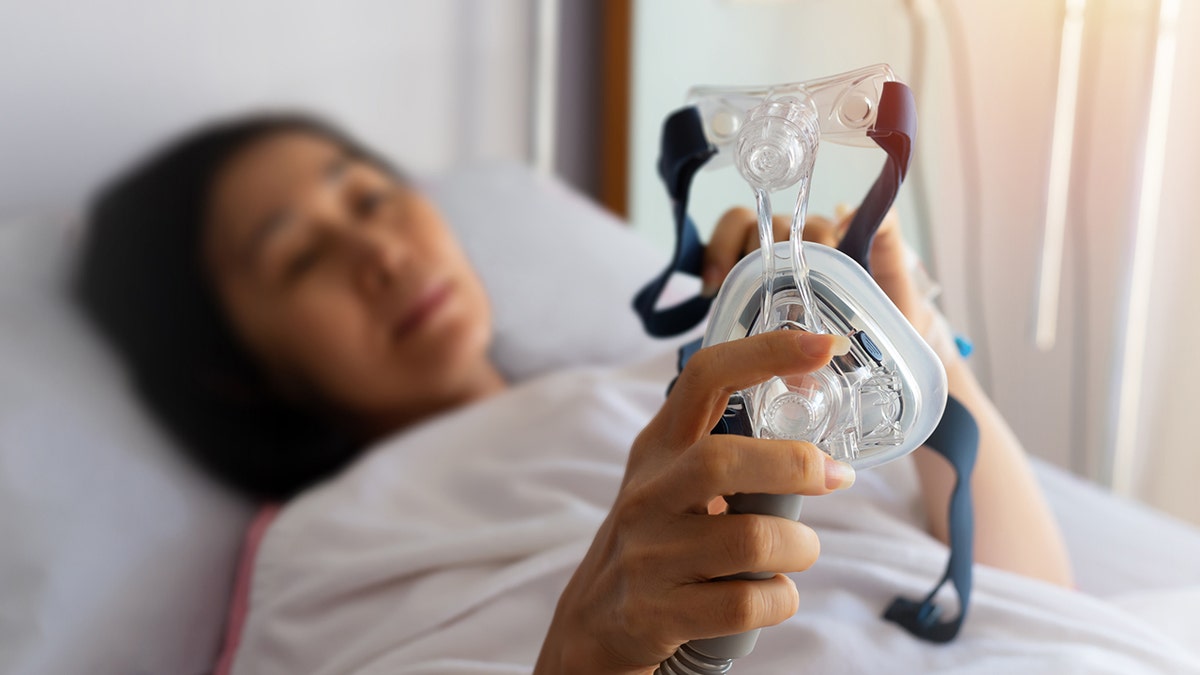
(890, 268)
(736, 235)
(644, 588)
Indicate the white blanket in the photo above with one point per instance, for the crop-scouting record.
(445, 548)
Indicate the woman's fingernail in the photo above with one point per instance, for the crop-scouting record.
(822, 344)
(840, 346)
(838, 475)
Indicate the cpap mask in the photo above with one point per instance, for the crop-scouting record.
(882, 399)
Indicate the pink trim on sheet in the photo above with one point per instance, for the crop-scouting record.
(239, 607)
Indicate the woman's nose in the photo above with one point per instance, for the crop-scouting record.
(371, 251)
(376, 259)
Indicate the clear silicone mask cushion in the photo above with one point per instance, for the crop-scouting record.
(882, 399)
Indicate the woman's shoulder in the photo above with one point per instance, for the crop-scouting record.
(487, 459)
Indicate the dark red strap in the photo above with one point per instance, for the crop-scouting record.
(895, 130)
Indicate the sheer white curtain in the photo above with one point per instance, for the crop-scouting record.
(1066, 402)
(1167, 451)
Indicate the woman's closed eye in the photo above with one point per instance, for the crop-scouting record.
(368, 203)
(308, 254)
(303, 260)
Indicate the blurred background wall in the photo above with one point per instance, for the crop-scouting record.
(88, 85)
(581, 86)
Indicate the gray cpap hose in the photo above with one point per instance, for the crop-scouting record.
(688, 661)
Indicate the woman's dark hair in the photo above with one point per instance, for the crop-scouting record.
(142, 281)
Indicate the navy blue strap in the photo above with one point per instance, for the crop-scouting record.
(684, 151)
(957, 439)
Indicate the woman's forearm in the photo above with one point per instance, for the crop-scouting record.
(1014, 527)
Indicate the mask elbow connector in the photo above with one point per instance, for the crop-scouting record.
(777, 145)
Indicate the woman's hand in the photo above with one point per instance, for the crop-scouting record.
(736, 235)
(644, 588)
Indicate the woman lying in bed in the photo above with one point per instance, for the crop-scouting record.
(285, 299)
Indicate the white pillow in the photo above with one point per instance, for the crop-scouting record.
(116, 556)
(561, 272)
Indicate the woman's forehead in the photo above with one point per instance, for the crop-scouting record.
(271, 170)
(267, 176)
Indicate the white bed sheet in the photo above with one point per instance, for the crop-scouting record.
(444, 549)
(1120, 546)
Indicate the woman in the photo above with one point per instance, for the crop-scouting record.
(283, 298)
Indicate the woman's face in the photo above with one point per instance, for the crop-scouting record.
(345, 283)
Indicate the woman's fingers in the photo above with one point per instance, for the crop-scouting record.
(887, 250)
(783, 227)
(714, 373)
(890, 268)
(734, 237)
(749, 244)
(720, 546)
(725, 246)
(842, 216)
(821, 230)
(726, 464)
(716, 608)
(781, 230)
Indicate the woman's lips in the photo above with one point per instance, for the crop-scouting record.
(424, 309)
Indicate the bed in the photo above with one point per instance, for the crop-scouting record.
(119, 558)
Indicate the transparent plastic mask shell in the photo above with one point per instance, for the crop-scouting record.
(893, 399)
